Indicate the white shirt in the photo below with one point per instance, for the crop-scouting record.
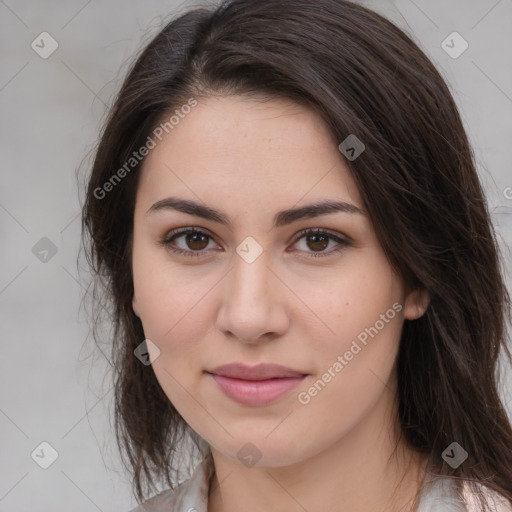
(439, 494)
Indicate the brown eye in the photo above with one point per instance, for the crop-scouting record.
(317, 242)
(196, 240)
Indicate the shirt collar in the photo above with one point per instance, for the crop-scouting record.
(189, 496)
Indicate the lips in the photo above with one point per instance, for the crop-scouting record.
(259, 372)
(255, 385)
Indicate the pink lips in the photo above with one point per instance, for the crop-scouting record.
(255, 385)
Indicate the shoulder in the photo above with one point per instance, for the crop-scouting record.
(189, 496)
(452, 495)
(157, 503)
(497, 502)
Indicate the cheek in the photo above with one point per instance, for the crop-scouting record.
(363, 347)
(354, 370)
(174, 307)
(174, 318)
(355, 301)
(356, 343)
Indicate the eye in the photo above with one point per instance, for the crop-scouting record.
(195, 241)
(318, 239)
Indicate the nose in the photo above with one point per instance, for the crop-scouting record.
(253, 307)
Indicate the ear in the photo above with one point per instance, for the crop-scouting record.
(135, 306)
(416, 304)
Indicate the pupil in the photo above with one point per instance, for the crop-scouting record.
(323, 244)
(193, 238)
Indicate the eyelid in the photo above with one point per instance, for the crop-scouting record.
(342, 240)
(333, 234)
(188, 229)
(176, 233)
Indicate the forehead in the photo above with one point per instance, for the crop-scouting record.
(250, 148)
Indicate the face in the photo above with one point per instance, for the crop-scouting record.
(252, 285)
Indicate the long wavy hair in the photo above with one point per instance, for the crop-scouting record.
(418, 181)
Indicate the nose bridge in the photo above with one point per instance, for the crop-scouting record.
(249, 280)
(250, 302)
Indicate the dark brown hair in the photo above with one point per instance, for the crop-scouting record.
(417, 179)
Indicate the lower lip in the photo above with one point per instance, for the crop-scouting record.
(255, 392)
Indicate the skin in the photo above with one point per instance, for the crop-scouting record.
(251, 158)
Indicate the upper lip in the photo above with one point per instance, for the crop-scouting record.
(258, 372)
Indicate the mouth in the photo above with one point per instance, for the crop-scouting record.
(255, 385)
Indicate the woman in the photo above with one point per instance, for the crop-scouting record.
(285, 214)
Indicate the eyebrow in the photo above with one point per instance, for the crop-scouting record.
(281, 218)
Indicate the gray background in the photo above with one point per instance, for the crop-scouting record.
(53, 385)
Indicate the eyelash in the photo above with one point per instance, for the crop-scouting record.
(171, 236)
